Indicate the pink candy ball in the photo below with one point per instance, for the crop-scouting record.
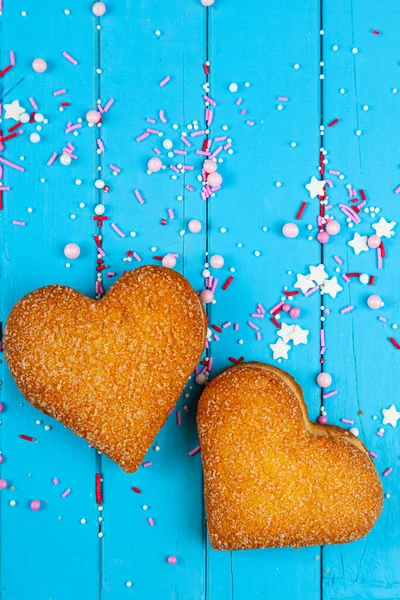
(168, 261)
(323, 237)
(194, 226)
(374, 241)
(206, 296)
(209, 166)
(93, 116)
(333, 227)
(214, 179)
(294, 313)
(72, 251)
(374, 301)
(286, 307)
(322, 420)
(171, 560)
(207, 2)
(154, 165)
(99, 9)
(324, 380)
(290, 230)
(217, 261)
(3, 484)
(39, 65)
(35, 505)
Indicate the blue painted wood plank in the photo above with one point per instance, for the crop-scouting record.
(134, 60)
(263, 187)
(359, 356)
(46, 554)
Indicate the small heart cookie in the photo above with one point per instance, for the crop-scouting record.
(110, 369)
(272, 478)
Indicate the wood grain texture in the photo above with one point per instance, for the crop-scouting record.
(44, 557)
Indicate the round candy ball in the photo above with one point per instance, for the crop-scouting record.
(322, 420)
(217, 261)
(374, 241)
(214, 179)
(333, 227)
(35, 505)
(294, 313)
(72, 251)
(194, 226)
(99, 9)
(200, 379)
(99, 209)
(286, 307)
(168, 261)
(324, 380)
(290, 230)
(3, 484)
(93, 116)
(65, 159)
(171, 560)
(354, 431)
(34, 137)
(323, 237)
(39, 65)
(207, 2)
(154, 165)
(374, 301)
(209, 165)
(206, 296)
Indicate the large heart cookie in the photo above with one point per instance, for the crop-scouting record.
(110, 369)
(272, 478)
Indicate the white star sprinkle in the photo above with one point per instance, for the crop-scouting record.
(304, 282)
(315, 187)
(285, 332)
(299, 335)
(331, 287)
(318, 274)
(384, 228)
(13, 110)
(390, 416)
(359, 243)
(280, 349)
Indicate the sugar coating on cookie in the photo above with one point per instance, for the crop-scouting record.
(110, 369)
(272, 478)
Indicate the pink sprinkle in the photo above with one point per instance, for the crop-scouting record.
(329, 394)
(373, 454)
(243, 112)
(185, 141)
(34, 105)
(384, 319)
(147, 464)
(226, 324)
(182, 152)
(251, 123)
(347, 309)
(344, 276)
(257, 315)
(100, 145)
(282, 99)
(52, 159)
(332, 172)
(164, 81)
(258, 336)
(338, 260)
(142, 137)
(138, 196)
(66, 493)
(209, 364)
(236, 327)
(388, 470)
(250, 324)
(100, 251)
(190, 188)
(379, 257)
(174, 168)
(194, 451)
(150, 522)
(114, 168)
(187, 167)
(70, 58)
(178, 417)
(12, 57)
(216, 338)
(73, 127)
(397, 190)
(261, 308)
(117, 230)
(157, 151)
(150, 120)
(380, 433)
(10, 164)
(348, 421)
(59, 92)
(214, 285)
(276, 308)
(314, 289)
(154, 131)
(162, 116)
(55, 481)
(136, 255)
(21, 223)
(196, 133)
(221, 138)
(108, 105)
(210, 100)
(171, 214)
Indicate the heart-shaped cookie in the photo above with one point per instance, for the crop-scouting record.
(272, 478)
(110, 369)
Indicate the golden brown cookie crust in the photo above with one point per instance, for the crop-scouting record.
(271, 477)
(110, 369)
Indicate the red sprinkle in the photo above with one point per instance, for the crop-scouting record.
(382, 247)
(217, 328)
(301, 210)
(5, 70)
(227, 283)
(28, 438)
(291, 293)
(376, 32)
(275, 322)
(236, 360)
(206, 69)
(362, 194)
(371, 280)
(14, 127)
(395, 344)
(136, 490)
(99, 494)
(332, 123)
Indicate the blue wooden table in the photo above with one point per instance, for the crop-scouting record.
(310, 75)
